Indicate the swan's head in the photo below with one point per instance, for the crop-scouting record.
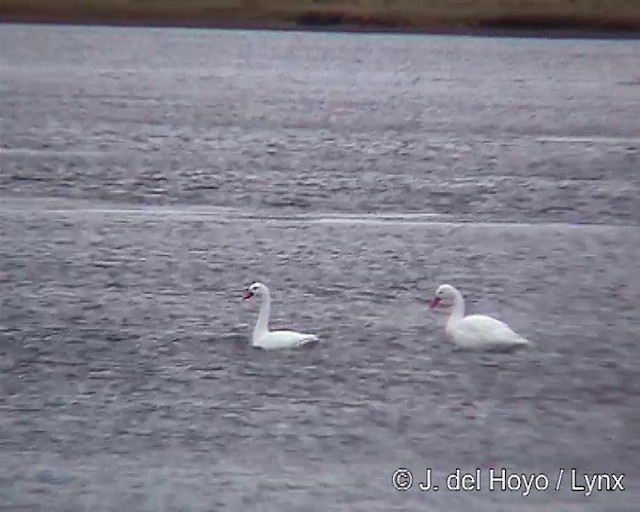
(254, 289)
(444, 291)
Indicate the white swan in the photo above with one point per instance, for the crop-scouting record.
(477, 332)
(272, 340)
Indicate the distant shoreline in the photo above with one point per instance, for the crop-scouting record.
(519, 31)
(586, 19)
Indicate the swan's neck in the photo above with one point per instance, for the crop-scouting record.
(457, 312)
(262, 325)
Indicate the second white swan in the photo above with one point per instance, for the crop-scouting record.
(272, 340)
(477, 332)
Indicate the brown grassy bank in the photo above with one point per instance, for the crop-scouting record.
(388, 15)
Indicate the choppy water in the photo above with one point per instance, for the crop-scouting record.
(148, 176)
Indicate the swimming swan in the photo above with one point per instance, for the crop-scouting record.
(476, 332)
(272, 340)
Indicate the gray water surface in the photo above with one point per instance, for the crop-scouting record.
(147, 176)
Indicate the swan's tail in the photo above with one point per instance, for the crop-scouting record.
(309, 339)
(520, 343)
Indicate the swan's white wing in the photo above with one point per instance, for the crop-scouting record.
(284, 339)
(484, 331)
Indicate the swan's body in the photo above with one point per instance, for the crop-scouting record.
(476, 332)
(272, 340)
